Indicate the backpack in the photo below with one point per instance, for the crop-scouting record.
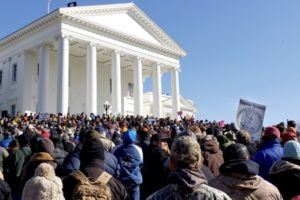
(89, 190)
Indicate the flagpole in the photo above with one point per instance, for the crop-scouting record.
(48, 6)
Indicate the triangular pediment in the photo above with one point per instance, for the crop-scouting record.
(124, 18)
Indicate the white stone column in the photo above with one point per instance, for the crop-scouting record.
(44, 76)
(91, 79)
(116, 82)
(175, 92)
(138, 87)
(63, 75)
(157, 101)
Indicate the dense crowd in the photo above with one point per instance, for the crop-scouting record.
(132, 157)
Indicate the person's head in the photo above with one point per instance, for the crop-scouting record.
(291, 123)
(281, 127)
(92, 151)
(243, 137)
(45, 145)
(129, 136)
(24, 140)
(92, 134)
(14, 145)
(236, 151)
(271, 133)
(155, 140)
(291, 149)
(185, 153)
(287, 136)
(44, 185)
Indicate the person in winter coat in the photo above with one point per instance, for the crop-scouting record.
(72, 161)
(58, 153)
(213, 156)
(153, 169)
(5, 191)
(269, 152)
(239, 177)
(108, 144)
(289, 134)
(15, 162)
(6, 139)
(91, 165)
(285, 174)
(43, 154)
(44, 185)
(3, 155)
(244, 138)
(186, 181)
(130, 158)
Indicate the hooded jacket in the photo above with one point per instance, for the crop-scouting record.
(130, 158)
(270, 152)
(187, 184)
(72, 162)
(213, 156)
(13, 167)
(285, 175)
(240, 181)
(91, 165)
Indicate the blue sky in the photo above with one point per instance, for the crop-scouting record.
(235, 49)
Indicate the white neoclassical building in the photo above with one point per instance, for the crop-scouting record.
(76, 58)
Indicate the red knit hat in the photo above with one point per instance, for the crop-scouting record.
(287, 136)
(272, 131)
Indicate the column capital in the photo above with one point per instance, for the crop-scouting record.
(157, 64)
(92, 44)
(63, 36)
(177, 68)
(43, 44)
(138, 58)
(115, 51)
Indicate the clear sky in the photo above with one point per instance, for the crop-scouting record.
(235, 49)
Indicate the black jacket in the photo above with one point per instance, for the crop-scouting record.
(93, 171)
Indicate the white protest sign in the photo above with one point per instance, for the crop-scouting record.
(44, 116)
(250, 117)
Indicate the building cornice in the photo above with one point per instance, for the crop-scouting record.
(32, 27)
(132, 10)
(118, 34)
(69, 15)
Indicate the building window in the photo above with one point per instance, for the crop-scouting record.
(1, 72)
(14, 72)
(130, 89)
(13, 110)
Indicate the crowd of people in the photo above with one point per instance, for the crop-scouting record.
(132, 157)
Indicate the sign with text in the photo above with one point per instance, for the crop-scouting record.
(44, 116)
(250, 117)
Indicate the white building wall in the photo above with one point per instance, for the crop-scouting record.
(9, 91)
(52, 82)
(77, 86)
(28, 75)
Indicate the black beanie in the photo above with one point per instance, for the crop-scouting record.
(236, 152)
(91, 150)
